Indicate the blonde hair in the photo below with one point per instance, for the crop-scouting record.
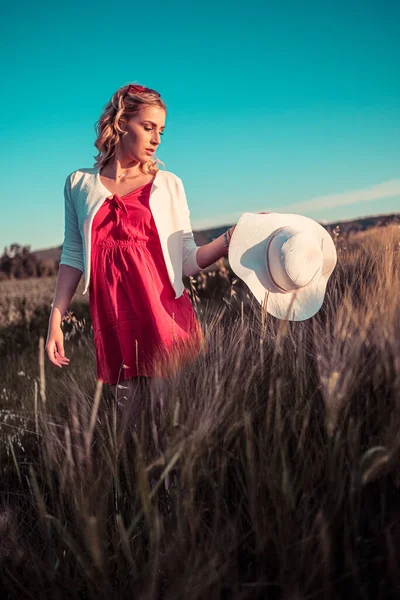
(123, 104)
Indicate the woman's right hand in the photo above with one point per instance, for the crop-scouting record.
(55, 347)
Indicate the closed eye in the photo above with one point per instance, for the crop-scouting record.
(150, 129)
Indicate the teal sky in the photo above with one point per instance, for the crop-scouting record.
(291, 108)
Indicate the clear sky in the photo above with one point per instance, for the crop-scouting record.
(288, 107)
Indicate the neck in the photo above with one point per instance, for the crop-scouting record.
(122, 169)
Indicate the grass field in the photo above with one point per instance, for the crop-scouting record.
(268, 468)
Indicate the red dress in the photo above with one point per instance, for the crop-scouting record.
(139, 327)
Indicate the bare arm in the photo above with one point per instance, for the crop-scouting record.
(209, 253)
(67, 281)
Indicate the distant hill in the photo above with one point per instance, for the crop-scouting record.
(53, 253)
(364, 223)
(207, 235)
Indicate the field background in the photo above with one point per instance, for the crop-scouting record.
(281, 445)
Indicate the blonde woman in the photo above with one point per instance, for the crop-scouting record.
(127, 229)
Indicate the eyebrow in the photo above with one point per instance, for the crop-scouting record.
(152, 122)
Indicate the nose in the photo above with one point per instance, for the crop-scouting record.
(156, 138)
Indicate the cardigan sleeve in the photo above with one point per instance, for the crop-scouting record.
(72, 253)
(189, 249)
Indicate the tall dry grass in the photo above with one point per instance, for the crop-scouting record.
(267, 468)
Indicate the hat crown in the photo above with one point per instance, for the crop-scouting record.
(294, 258)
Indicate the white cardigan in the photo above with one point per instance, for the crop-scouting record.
(84, 193)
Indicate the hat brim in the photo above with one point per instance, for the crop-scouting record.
(247, 258)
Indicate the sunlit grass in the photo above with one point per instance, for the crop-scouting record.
(266, 468)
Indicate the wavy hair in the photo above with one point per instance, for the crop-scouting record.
(123, 104)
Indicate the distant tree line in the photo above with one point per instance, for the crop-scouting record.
(18, 262)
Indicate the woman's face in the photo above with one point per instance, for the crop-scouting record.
(144, 131)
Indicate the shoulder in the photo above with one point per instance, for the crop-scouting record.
(168, 176)
(81, 174)
(79, 184)
(171, 181)
(174, 183)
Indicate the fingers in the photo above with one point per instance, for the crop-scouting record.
(63, 360)
(54, 354)
(60, 355)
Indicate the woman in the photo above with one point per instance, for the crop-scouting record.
(127, 228)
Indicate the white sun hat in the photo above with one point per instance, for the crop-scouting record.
(285, 260)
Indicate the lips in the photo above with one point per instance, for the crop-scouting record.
(150, 150)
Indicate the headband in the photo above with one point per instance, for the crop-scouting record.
(138, 89)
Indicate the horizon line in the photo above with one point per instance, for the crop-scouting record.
(321, 221)
(226, 224)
